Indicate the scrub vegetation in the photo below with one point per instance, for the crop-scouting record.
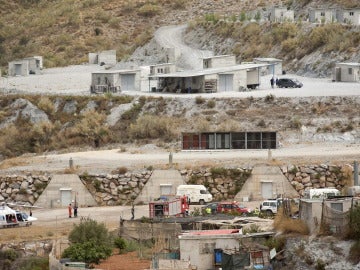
(65, 31)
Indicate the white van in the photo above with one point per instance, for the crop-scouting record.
(321, 193)
(195, 193)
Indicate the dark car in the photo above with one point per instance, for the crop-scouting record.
(232, 207)
(288, 83)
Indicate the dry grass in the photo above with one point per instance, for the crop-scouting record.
(13, 162)
(288, 225)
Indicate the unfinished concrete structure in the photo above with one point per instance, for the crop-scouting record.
(266, 182)
(64, 189)
(273, 67)
(26, 66)
(161, 182)
(103, 58)
(281, 14)
(322, 15)
(346, 72)
(349, 16)
(229, 249)
(332, 214)
(219, 61)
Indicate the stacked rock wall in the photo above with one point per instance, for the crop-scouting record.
(120, 189)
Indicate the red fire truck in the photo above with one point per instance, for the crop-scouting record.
(167, 206)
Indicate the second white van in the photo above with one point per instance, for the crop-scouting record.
(195, 193)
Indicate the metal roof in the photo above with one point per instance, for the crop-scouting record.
(349, 64)
(118, 71)
(209, 71)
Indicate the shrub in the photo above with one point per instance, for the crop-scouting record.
(150, 127)
(90, 242)
(269, 98)
(46, 105)
(289, 225)
(149, 10)
(275, 242)
(199, 100)
(120, 243)
(354, 224)
(211, 104)
(354, 254)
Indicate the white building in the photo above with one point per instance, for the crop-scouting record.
(346, 72)
(211, 80)
(322, 15)
(281, 14)
(274, 65)
(213, 248)
(26, 66)
(103, 58)
(349, 16)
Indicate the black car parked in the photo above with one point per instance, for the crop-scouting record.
(288, 83)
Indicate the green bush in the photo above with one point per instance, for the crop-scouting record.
(120, 243)
(90, 242)
(354, 224)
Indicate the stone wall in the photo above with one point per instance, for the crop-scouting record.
(22, 188)
(116, 189)
(222, 183)
(123, 188)
(318, 176)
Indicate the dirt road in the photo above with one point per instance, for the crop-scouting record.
(106, 160)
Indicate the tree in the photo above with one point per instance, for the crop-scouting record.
(354, 223)
(90, 242)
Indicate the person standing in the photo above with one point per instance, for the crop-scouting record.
(272, 82)
(70, 210)
(75, 210)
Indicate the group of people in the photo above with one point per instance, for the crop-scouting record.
(70, 209)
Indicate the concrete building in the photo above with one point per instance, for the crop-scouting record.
(64, 189)
(161, 182)
(274, 65)
(266, 182)
(348, 16)
(26, 66)
(219, 61)
(224, 248)
(281, 14)
(346, 72)
(210, 80)
(115, 81)
(103, 58)
(229, 140)
(322, 15)
(331, 213)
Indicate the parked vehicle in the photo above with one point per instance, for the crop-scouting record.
(165, 207)
(195, 193)
(321, 193)
(212, 206)
(232, 207)
(288, 83)
(270, 206)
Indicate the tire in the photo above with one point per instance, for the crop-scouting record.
(202, 202)
(269, 213)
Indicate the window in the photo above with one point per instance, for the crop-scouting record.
(98, 80)
(322, 14)
(350, 71)
(351, 13)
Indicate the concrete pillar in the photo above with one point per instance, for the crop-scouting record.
(356, 173)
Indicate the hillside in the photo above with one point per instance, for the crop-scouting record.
(65, 31)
